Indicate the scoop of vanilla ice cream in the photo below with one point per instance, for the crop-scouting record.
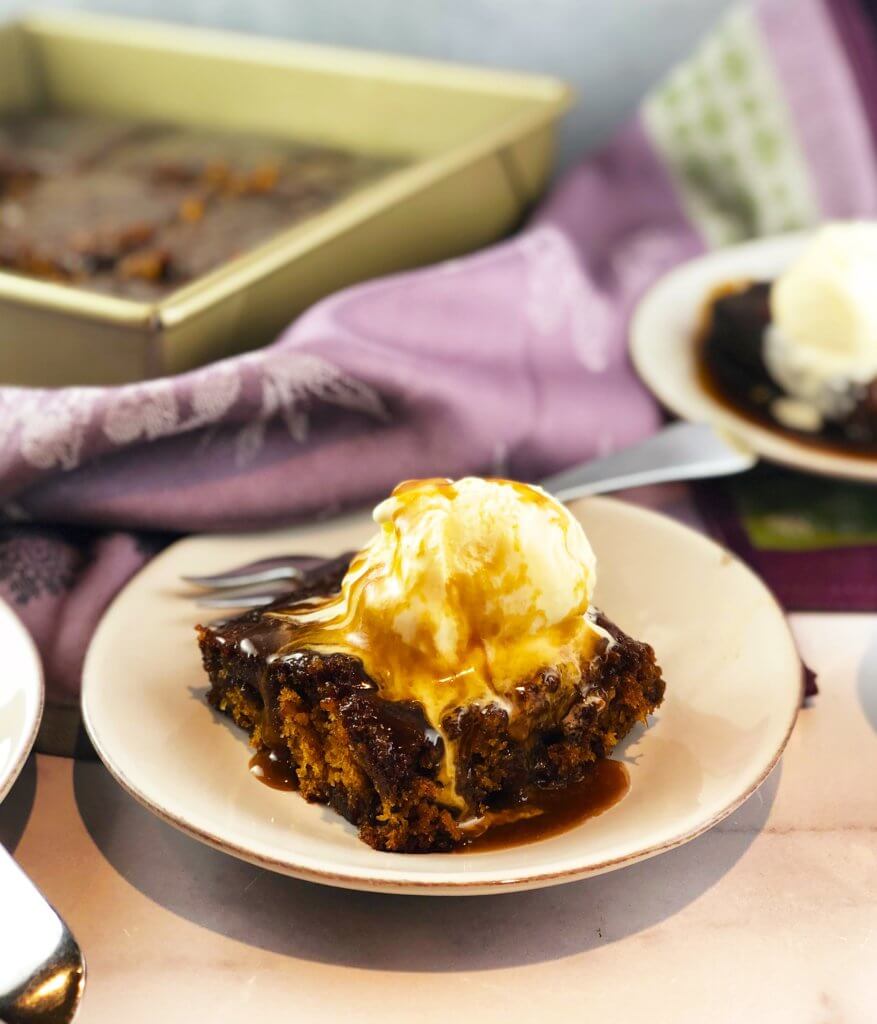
(823, 336)
(476, 562)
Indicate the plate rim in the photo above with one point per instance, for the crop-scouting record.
(396, 882)
(770, 445)
(22, 750)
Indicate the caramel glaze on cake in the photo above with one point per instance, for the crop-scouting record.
(377, 762)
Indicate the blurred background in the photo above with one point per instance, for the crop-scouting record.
(610, 50)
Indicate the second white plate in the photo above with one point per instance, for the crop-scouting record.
(21, 697)
(663, 335)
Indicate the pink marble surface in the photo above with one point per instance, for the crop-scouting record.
(770, 916)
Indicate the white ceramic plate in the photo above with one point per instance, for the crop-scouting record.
(21, 697)
(662, 343)
(733, 690)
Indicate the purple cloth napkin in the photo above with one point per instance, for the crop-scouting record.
(512, 360)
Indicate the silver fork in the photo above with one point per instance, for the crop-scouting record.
(259, 583)
(681, 451)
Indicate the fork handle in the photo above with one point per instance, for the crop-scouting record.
(681, 451)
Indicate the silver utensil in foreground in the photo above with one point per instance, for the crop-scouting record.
(42, 969)
(681, 451)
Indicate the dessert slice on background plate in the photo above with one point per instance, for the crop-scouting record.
(800, 352)
(774, 340)
(454, 678)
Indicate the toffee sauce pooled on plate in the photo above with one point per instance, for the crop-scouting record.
(547, 813)
(554, 810)
(272, 769)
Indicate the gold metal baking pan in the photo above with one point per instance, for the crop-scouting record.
(480, 146)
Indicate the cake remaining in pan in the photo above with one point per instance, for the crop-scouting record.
(137, 209)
